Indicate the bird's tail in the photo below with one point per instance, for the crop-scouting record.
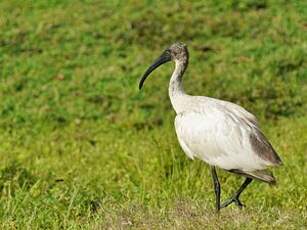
(262, 175)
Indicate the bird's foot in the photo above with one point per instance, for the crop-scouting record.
(234, 200)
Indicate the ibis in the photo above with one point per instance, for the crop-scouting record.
(220, 133)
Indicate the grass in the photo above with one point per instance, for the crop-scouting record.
(81, 147)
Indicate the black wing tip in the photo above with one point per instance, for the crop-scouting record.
(263, 148)
(275, 159)
(278, 160)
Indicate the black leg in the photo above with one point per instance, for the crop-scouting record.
(217, 188)
(235, 197)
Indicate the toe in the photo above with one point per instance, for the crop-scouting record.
(238, 203)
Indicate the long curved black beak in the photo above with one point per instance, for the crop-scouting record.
(165, 57)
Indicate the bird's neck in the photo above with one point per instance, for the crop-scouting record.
(175, 90)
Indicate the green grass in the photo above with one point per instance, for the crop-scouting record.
(81, 147)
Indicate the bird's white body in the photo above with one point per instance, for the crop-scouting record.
(218, 134)
(215, 131)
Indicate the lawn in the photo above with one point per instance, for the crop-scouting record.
(82, 148)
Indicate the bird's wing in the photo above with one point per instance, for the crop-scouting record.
(222, 138)
(239, 111)
(259, 142)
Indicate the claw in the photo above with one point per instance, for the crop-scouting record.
(235, 197)
(238, 203)
(232, 200)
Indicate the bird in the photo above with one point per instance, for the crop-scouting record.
(220, 133)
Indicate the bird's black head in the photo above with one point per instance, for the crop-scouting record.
(177, 52)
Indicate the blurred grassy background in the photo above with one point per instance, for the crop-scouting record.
(81, 147)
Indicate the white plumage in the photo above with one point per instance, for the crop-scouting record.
(217, 132)
(218, 136)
